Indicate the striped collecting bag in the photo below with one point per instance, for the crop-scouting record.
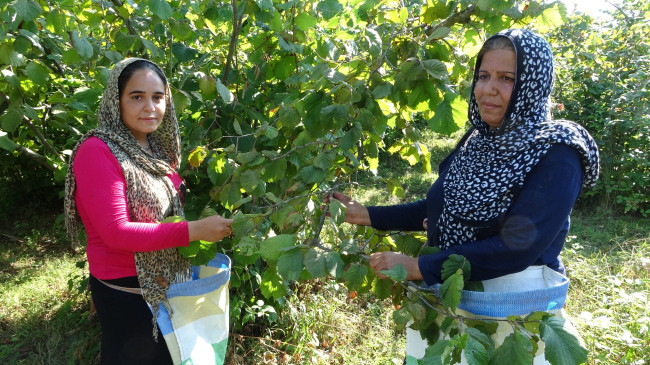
(195, 318)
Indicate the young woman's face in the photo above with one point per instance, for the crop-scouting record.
(496, 79)
(142, 104)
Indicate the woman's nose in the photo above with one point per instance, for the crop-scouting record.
(149, 104)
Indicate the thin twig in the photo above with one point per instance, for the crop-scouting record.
(236, 26)
(42, 138)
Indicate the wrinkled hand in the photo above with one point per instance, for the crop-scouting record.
(387, 260)
(211, 229)
(356, 213)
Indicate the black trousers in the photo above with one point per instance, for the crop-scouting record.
(127, 328)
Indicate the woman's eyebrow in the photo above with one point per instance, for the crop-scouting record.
(142, 92)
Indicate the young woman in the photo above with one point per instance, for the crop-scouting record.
(122, 182)
(504, 195)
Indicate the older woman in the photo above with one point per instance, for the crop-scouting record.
(504, 195)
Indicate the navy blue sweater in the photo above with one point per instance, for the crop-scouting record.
(532, 231)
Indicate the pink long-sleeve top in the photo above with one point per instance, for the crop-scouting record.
(101, 201)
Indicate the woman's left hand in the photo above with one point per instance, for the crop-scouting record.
(387, 260)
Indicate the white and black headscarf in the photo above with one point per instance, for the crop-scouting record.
(493, 164)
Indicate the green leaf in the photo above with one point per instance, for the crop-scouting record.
(374, 41)
(435, 354)
(482, 338)
(11, 119)
(242, 225)
(230, 195)
(83, 47)
(275, 170)
(249, 180)
(397, 273)
(153, 49)
(315, 263)
(351, 137)
(335, 264)
(265, 5)
(199, 252)
(9, 56)
(409, 245)
(225, 94)
(337, 114)
(329, 8)
(323, 161)
(245, 158)
(439, 33)
(284, 67)
(516, 350)
(562, 347)
(450, 115)
(475, 352)
(382, 288)
(382, 90)
(271, 248)
(453, 264)
(290, 264)
(450, 290)
(272, 285)
(289, 47)
(161, 8)
(402, 316)
(305, 21)
(311, 174)
(123, 42)
(288, 117)
(412, 68)
(6, 142)
(436, 69)
(183, 53)
(551, 18)
(181, 100)
(28, 10)
(354, 276)
(55, 21)
(418, 311)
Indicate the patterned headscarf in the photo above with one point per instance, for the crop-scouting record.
(493, 164)
(151, 196)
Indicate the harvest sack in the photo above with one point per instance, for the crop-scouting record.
(194, 317)
(537, 288)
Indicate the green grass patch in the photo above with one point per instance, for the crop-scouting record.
(608, 262)
(44, 316)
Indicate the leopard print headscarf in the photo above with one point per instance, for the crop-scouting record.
(151, 196)
(493, 164)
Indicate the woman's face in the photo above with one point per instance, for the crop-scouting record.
(496, 78)
(142, 104)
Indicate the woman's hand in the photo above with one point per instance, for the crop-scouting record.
(211, 229)
(387, 260)
(355, 213)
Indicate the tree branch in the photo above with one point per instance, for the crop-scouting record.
(42, 138)
(236, 27)
(35, 156)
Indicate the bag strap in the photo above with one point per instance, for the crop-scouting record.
(137, 291)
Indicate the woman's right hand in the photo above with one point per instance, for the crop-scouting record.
(211, 229)
(356, 213)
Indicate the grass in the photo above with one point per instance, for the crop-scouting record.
(45, 320)
(608, 262)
